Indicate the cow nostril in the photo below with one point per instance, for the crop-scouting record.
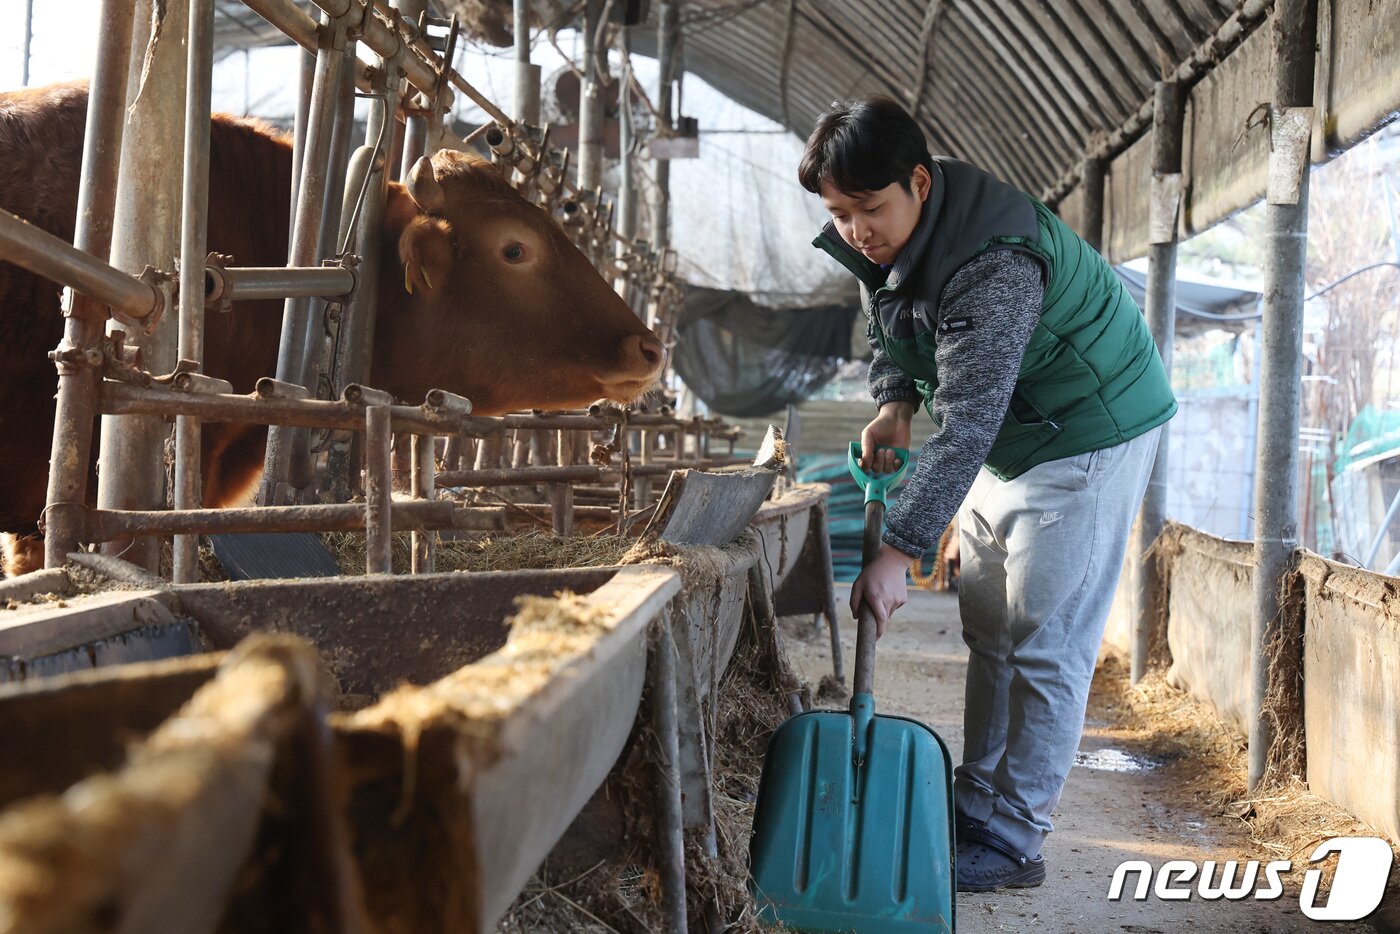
(650, 349)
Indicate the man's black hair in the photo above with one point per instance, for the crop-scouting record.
(863, 145)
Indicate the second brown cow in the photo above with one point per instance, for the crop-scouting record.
(481, 294)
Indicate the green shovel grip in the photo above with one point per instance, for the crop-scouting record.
(876, 485)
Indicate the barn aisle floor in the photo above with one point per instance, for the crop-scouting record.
(1120, 804)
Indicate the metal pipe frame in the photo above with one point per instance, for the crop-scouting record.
(590, 127)
(423, 488)
(527, 74)
(224, 285)
(1281, 356)
(45, 255)
(120, 398)
(299, 347)
(1168, 126)
(670, 835)
(78, 355)
(336, 517)
(194, 227)
(668, 34)
(146, 232)
(379, 491)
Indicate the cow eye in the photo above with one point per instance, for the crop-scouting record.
(514, 253)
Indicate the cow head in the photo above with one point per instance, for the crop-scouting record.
(494, 302)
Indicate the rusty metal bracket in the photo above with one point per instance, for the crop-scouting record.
(69, 358)
(1290, 143)
(156, 279)
(120, 363)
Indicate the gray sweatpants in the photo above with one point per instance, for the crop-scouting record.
(1041, 556)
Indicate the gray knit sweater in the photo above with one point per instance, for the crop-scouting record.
(1000, 293)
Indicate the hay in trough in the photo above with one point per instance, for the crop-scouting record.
(526, 551)
(623, 893)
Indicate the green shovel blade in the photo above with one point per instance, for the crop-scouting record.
(841, 845)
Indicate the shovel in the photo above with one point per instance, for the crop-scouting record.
(853, 828)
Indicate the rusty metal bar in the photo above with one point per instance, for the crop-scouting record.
(251, 283)
(70, 459)
(336, 517)
(357, 323)
(125, 399)
(670, 834)
(424, 485)
(193, 234)
(581, 473)
(306, 74)
(668, 37)
(298, 342)
(45, 255)
(379, 491)
(590, 126)
(146, 232)
(527, 75)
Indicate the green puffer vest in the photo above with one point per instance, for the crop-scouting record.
(1091, 377)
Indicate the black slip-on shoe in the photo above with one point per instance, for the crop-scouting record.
(987, 862)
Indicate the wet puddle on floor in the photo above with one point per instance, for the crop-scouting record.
(1113, 760)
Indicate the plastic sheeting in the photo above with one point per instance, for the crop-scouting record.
(744, 359)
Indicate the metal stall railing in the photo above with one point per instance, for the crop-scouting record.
(339, 209)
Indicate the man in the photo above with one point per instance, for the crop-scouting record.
(1047, 395)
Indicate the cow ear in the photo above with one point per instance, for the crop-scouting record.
(423, 186)
(426, 250)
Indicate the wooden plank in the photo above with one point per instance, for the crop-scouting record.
(710, 508)
(157, 846)
(28, 586)
(72, 726)
(462, 788)
(572, 732)
(43, 629)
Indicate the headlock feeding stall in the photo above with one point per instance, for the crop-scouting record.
(400, 753)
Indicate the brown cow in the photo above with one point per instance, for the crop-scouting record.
(481, 294)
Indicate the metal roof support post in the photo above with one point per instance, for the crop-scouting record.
(590, 125)
(415, 135)
(195, 209)
(297, 333)
(627, 185)
(1167, 125)
(527, 74)
(1281, 354)
(65, 511)
(1092, 181)
(146, 232)
(306, 75)
(669, 30)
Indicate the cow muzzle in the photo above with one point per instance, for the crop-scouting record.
(641, 358)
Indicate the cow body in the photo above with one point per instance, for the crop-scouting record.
(506, 312)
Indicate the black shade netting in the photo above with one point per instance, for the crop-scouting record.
(746, 360)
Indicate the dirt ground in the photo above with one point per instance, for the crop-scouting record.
(1125, 800)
